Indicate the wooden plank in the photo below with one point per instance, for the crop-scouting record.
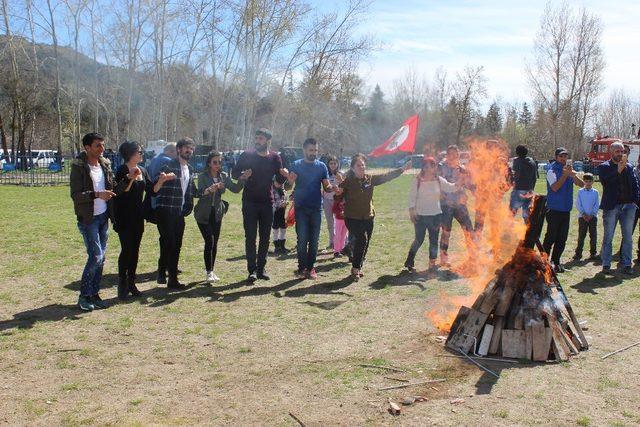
(483, 348)
(540, 340)
(528, 315)
(513, 343)
(466, 329)
(489, 298)
(560, 348)
(498, 323)
(518, 320)
(504, 301)
(572, 317)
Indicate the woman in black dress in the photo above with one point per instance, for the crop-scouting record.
(132, 181)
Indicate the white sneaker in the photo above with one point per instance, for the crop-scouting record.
(214, 277)
(210, 276)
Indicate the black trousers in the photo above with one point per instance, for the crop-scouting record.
(130, 236)
(171, 229)
(162, 264)
(557, 232)
(257, 219)
(210, 233)
(583, 227)
(361, 230)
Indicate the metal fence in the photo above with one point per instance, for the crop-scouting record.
(57, 173)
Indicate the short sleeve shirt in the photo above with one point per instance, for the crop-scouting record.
(309, 183)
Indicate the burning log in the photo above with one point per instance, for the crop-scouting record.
(523, 312)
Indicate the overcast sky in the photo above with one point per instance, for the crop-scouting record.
(497, 34)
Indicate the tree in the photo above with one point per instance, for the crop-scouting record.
(493, 121)
(468, 86)
(525, 116)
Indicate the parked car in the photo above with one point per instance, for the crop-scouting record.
(416, 161)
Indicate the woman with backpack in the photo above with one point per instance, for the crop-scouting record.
(425, 211)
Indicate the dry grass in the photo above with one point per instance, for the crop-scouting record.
(234, 354)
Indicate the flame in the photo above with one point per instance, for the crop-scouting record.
(492, 244)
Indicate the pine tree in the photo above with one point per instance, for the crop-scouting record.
(525, 115)
(493, 121)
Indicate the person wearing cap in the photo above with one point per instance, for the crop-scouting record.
(260, 167)
(587, 204)
(560, 181)
(620, 196)
(525, 173)
(425, 211)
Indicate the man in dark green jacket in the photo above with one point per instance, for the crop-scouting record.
(91, 185)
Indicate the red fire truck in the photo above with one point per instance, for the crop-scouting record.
(600, 152)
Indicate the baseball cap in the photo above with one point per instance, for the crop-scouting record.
(561, 150)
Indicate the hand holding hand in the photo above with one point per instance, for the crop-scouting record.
(134, 173)
(246, 174)
(105, 195)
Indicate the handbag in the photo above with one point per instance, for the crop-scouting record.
(221, 209)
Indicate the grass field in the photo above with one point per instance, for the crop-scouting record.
(233, 354)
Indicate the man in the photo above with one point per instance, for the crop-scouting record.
(308, 174)
(560, 180)
(260, 167)
(525, 173)
(91, 185)
(619, 197)
(175, 189)
(454, 204)
(155, 167)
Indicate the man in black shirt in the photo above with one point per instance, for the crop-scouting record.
(261, 166)
(525, 173)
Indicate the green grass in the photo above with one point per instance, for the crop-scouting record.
(249, 355)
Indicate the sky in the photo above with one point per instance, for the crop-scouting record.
(496, 34)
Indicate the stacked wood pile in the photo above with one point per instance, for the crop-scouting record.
(522, 313)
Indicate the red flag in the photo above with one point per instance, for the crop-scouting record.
(404, 139)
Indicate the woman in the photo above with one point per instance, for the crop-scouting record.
(357, 190)
(425, 211)
(131, 183)
(210, 209)
(327, 203)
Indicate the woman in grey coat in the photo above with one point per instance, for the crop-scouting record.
(210, 208)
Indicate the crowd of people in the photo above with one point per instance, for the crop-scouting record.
(165, 193)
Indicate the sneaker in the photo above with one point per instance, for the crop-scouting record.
(301, 274)
(215, 277)
(628, 270)
(312, 274)
(594, 257)
(85, 303)
(210, 276)
(355, 274)
(559, 268)
(606, 269)
(175, 284)
(577, 257)
(263, 275)
(337, 255)
(98, 303)
(252, 277)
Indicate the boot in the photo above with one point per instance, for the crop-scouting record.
(283, 248)
(433, 265)
(123, 289)
(131, 281)
(409, 263)
(276, 247)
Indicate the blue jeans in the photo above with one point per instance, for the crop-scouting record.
(625, 213)
(95, 235)
(308, 230)
(517, 201)
(424, 223)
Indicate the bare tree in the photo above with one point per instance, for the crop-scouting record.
(466, 88)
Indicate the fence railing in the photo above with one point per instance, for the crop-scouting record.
(57, 173)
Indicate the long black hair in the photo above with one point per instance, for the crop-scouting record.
(333, 159)
(128, 149)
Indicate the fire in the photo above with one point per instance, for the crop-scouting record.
(497, 233)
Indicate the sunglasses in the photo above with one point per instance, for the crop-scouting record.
(215, 162)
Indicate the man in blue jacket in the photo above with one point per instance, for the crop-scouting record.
(619, 197)
(560, 180)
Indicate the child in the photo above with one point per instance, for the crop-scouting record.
(339, 227)
(587, 204)
(279, 226)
